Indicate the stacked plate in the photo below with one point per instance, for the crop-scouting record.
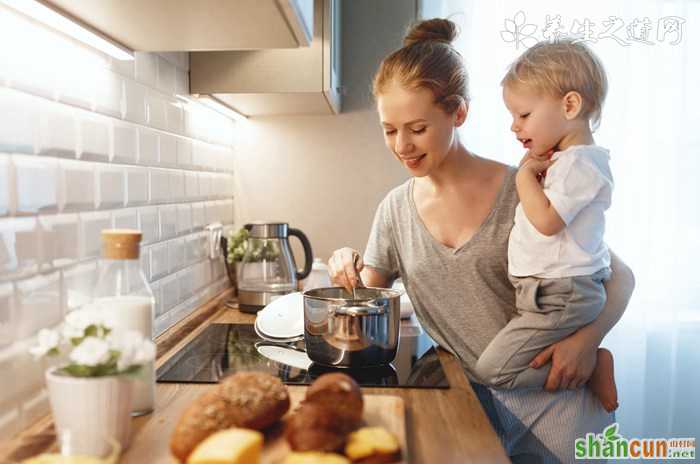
(282, 320)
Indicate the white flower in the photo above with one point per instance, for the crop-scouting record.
(47, 340)
(91, 352)
(79, 320)
(134, 348)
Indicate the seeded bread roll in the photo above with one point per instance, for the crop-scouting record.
(252, 400)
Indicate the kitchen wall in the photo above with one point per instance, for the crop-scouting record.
(88, 143)
(327, 174)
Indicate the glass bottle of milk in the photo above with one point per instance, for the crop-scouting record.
(122, 292)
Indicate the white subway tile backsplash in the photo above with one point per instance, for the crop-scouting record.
(39, 303)
(168, 221)
(149, 225)
(36, 184)
(192, 249)
(125, 147)
(128, 161)
(109, 94)
(159, 260)
(166, 76)
(146, 68)
(77, 185)
(148, 147)
(177, 186)
(205, 179)
(184, 153)
(168, 151)
(78, 284)
(212, 211)
(170, 290)
(185, 281)
(58, 131)
(155, 110)
(176, 255)
(184, 219)
(5, 186)
(198, 216)
(191, 185)
(19, 121)
(110, 186)
(20, 252)
(160, 185)
(228, 211)
(158, 308)
(60, 239)
(135, 101)
(145, 263)
(94, 138)
(125, 219)
(92, 225)
(7, 314)
(173, 110)
(136, 186)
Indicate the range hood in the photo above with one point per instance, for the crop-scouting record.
(267, 82)
(188, 25)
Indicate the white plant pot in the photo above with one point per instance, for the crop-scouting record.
(91, 411)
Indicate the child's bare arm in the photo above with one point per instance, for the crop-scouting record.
(536, 205)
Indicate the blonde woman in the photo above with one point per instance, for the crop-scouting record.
(445, 233)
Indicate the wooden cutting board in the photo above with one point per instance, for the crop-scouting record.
(379, 410)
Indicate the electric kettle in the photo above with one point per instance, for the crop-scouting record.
(268, 270)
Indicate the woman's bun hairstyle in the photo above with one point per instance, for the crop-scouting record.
(437, 30)
(427, 60)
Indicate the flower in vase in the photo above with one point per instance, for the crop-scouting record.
(95, 349)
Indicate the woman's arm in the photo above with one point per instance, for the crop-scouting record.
(573, 358)
(346, 264)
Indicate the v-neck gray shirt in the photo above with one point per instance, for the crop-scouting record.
(462, 296)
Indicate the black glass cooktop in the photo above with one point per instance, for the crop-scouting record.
(223, 349)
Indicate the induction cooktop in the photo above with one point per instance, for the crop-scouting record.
(223, 349)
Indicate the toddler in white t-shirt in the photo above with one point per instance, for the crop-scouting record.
(557, 259)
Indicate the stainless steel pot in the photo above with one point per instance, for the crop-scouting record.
(344, 332)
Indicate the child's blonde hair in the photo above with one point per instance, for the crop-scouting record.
(556, 68)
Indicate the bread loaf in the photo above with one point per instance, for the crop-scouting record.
(252, 400)
(331, 409)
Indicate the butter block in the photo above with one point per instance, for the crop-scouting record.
(315, 457)
(230, 446)
(375, 442)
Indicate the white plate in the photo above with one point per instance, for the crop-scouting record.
(288, 356)
(262, 335)
(283, 318)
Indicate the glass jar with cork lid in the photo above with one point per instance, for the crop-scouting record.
(124, 295)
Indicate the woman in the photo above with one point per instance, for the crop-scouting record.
(445, 233)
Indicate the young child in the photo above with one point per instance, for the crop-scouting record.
(557, 259)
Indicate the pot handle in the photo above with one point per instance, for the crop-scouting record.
(308, 254)
(368, 310)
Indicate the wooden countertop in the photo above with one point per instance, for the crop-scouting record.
(442, 425)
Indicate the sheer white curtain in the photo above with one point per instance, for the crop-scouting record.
(651, 124)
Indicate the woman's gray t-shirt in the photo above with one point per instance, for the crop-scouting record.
(462, 296)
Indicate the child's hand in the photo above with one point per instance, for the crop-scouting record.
(537, 164)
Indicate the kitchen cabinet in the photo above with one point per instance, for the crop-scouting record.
(186, 25)
(290, 81)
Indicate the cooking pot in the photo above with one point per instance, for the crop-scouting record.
(342, 331)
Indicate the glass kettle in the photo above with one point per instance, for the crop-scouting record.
(268, 270)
